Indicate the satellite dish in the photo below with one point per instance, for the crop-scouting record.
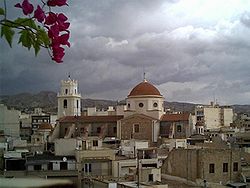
(64, 159)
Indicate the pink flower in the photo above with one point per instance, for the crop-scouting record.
(39, 14)
(53, 31)
(64, 39)
(61, 17)
(58, 53)
(64, 26)
(59, 3)
(26, 6)
(51, 19)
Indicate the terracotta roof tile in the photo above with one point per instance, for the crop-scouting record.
(90, 119)
(175, 117)
(144, 88)
(45, 126)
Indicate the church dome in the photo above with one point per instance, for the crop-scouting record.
(144, 88)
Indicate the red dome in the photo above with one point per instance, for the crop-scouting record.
(144, 88)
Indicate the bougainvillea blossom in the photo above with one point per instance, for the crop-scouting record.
(58, 53)
(50, 19)
(55, 23)
(54, 3)
(39, 14)
(26, 6)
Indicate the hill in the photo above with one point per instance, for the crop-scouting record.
(26, 102)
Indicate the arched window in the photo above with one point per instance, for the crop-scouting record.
(98, 130)
(65, 103)
(66, 91)
(77, 104)
(178, 128)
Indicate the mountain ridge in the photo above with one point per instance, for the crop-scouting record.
(47, 100)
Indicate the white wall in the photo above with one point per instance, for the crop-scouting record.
(228, 116)
(212, 117)
(147, 109)
(71, 165)
(56, 165)
(72, 96)
(9, 121)
(65, 147)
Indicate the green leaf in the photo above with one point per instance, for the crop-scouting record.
(43, 37)
(8, 33)
(1, 11)
(26, 22)
(36, 46)
(25, 38)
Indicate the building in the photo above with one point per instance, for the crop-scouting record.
(84, 126)
(92, 158)
(145, 99)
(37, 120)
(242, 122)
(9, 121)
(213, 116)
(69, 100)
(146, 165)
(144, 109)
(210, 164)
(176, 125)
(141, 120)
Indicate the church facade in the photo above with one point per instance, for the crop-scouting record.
(140, 119)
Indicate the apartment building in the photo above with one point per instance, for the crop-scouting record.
(213, 116)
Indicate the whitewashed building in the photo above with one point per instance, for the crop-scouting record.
(213, 116)
(9, 121)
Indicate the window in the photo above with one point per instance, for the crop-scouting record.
(235, 167)
(128, 105)
(81, 130)
(199, 118)
(211, 168)
(225, 167)
(141, 104)
(150, 177)
(63, 166)
(136, 128)
(66, 91)
(114, 130)
(65, 103)
(178, 128)
(155, 104)
(50, 166)
(65, 130)
(95, 143)
(77, 104)
(98, 130)
(37, 167)
(88, 167)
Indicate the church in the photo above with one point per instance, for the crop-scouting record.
(142, 117)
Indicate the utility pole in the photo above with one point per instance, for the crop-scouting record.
(138, 171)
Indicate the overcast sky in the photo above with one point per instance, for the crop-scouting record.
(191, 50)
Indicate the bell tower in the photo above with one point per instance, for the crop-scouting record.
(69, 100)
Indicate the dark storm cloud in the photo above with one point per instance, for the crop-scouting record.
(114, 42)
